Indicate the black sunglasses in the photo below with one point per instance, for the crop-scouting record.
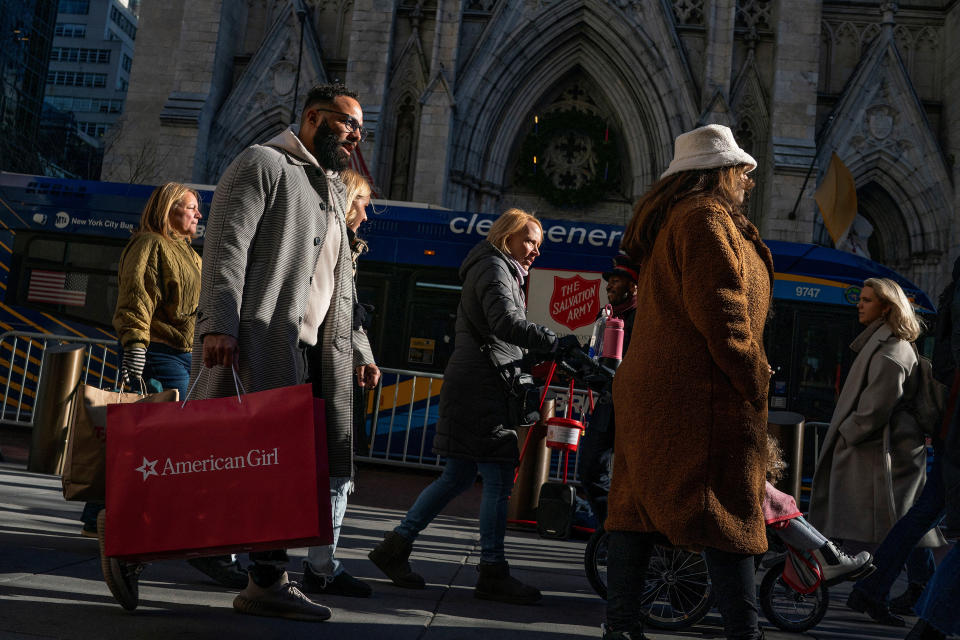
(350, 122)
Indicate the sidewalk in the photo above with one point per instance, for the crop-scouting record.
(51, 587)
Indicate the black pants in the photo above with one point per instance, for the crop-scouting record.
(593, 445)
(731, 575)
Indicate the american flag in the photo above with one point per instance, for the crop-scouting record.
(57, 287)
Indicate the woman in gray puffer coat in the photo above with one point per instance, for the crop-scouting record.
(476, 431)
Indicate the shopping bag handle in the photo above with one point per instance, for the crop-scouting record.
(237, 385)
(142, 391)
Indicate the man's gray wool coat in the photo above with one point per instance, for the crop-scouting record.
(266, 227)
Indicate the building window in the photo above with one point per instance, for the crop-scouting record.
(74, 54)
(123, 22)
(76, 7)
(126, 62)
(70, 30)
(95, 129)
(122, 84)
(79, 104)
(77, 79)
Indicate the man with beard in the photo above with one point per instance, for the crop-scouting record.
(596, 449)
(277, 292)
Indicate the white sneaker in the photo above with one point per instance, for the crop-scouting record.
(282, 599)
(836, 566)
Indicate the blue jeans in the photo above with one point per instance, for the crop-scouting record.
(731, 576)
(169, 367)
(458, 476)
(321, 559)
(899, 546)
(938, 604)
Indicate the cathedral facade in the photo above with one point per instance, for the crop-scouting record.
(569, 108)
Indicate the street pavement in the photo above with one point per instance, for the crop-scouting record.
(51, 585)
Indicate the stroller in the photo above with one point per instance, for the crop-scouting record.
(677, 592)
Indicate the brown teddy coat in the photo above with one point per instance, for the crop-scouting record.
(690, 395)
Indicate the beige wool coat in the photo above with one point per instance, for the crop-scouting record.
(873, 461)
(690, 395)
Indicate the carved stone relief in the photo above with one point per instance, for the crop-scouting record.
(754, 15)
(918, 45)
(688, 12)
(880, 127)
(284, 75)
(480, 6)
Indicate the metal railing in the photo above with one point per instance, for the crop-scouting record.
(401, 416)
(401, 420)
(819, 433)
(21, 366)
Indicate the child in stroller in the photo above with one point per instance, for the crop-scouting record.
(799, 566)
(812, 557)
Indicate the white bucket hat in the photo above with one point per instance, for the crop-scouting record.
(708, 147)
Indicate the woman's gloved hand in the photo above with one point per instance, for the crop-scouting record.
(134, 359)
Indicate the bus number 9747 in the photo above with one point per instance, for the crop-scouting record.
(808, 292)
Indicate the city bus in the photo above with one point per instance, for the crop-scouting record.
(60, 243)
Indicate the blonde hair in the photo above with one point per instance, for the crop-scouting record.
(510, 222)
(357, 187)
(900, 317)
(775, 464)
(156, 215)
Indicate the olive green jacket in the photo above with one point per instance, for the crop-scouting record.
(159, 289)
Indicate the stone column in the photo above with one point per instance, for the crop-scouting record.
(718, 61)
(368, 66)
(131, 154)
(792, 122)
(181, 72)
(437, 105)
(951, 125)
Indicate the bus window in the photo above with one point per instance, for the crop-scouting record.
(809, 350)
(431, 321)
(820, 349)
(72, 277)
(373, 290)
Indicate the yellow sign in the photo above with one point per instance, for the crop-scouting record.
(421, 350)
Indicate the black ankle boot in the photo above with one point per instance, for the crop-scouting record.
(496, 583)
(392, 557)
(923, 631)
(634, 634)
(876, 609)
(903, 604)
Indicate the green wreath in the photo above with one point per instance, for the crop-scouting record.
(606, 177)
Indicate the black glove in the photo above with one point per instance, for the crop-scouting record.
(531, 406)
(565, 345)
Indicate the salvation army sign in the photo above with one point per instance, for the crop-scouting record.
(575, 301)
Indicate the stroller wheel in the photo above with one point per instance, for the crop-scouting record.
(677, 591)
(595, 562)
(788, 609)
